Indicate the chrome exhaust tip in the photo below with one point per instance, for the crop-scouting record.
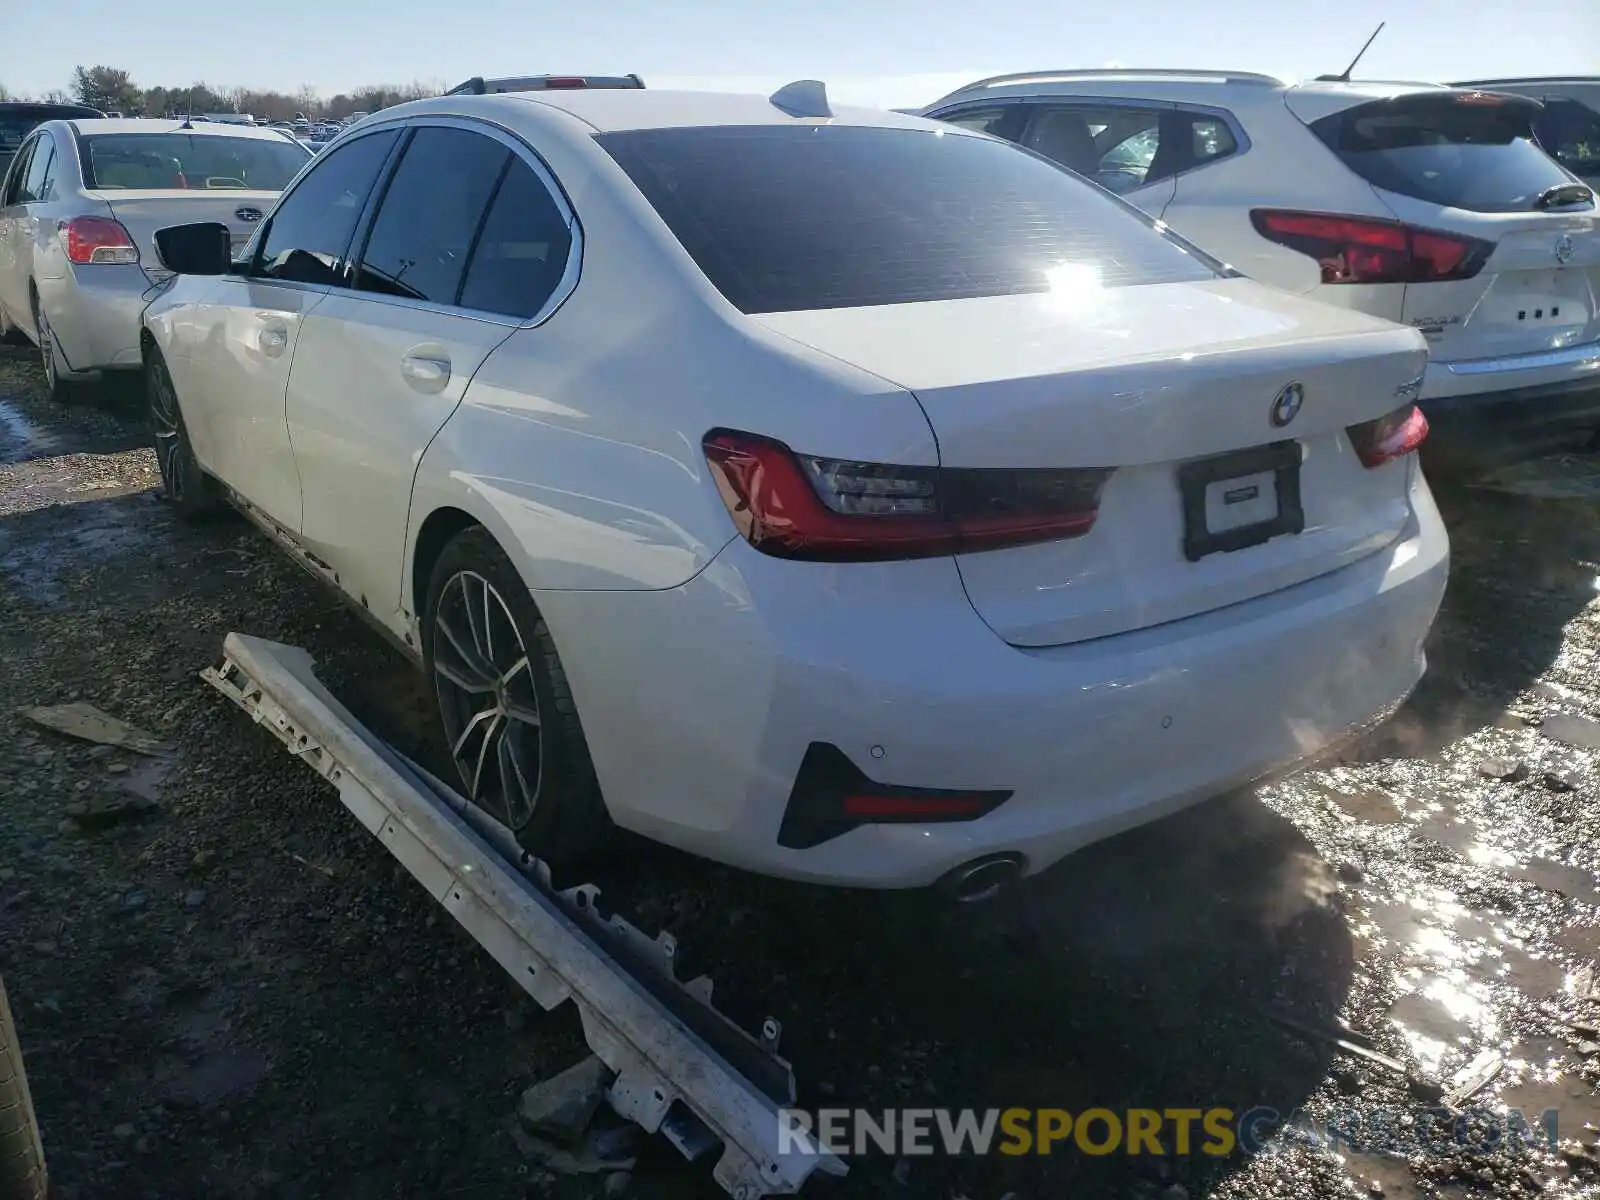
(982, 878)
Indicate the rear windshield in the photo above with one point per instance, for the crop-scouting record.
(789, 217)
(1453, 148)
(149, 161)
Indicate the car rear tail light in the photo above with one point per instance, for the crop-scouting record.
(1363, 250)
(830, 510)
(98, 240)
(831, 796)
(1389, 437)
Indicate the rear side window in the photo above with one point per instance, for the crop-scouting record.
(1570, 132)
(430, 214)
(522, 249)
(791, 217)
(152, 161)
(1459, 149)
(41, 170)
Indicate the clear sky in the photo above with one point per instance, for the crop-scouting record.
(896, 53)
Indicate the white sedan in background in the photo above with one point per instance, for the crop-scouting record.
(77, 211)
(833, 493)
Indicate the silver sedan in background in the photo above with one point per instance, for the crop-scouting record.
(79, 208)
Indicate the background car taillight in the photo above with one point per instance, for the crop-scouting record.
(1363, 250)
(98, 240)
(830, 510)
(1391, 436)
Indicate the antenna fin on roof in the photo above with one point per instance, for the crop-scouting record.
(1344, 77)
(802, 98)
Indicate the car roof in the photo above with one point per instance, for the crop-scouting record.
(170, 125)
(49, 109)
(614, 109)
(1235, 89)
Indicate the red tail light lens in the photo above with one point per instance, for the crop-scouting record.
(1362, 250)
(1389, 437)
(98, 240)
(800, 506)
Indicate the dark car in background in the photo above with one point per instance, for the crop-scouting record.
(18, 118)
(1569, 126)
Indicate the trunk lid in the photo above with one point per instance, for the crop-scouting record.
(1468, 163)
(1146, 380)
(144, 212)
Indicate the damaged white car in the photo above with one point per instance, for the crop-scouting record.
(832, 493)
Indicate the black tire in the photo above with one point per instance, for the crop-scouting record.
(193, 493)
(56, 388)
(22, 1167)
(559, 815)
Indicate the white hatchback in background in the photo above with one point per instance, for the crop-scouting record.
(78, 208)
(831, 493)
(1414, 202)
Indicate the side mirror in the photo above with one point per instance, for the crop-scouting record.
(204, 248)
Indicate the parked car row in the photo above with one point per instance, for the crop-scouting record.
(1431, 206)
(78, 211)
(824, 490)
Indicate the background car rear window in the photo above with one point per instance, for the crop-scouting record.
(1448, 148)
(150, 161)
(430, 215)
(784, 218)
(309, 233)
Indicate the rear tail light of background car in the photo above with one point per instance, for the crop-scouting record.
(801, 506)
(98, 240)
(1391, 436)
(1363, 250)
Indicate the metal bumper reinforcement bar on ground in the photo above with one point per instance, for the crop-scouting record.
(682, 1068)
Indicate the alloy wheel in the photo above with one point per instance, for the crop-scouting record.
(483, 675)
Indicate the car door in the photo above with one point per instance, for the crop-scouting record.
(246, 329)
(13, 281)
(28, 191)
(1124, 146)
(442, 278)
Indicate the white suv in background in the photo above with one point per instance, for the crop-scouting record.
(1423, 204)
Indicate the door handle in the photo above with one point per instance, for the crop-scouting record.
(273, 340)
(424, 373)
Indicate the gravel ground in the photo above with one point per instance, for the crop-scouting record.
(241, 996)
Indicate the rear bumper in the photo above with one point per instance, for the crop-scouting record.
(1484, 430)
(95, 312)
(697, 736)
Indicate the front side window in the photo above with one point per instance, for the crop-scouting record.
(309, 234)
(430, 215)
(18, 172)
(160, 161)
(790, 217)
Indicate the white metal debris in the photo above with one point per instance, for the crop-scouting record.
(682, 1068)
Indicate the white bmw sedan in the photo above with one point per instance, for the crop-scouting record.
(832, 493)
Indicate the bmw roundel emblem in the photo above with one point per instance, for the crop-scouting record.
(1287, 404)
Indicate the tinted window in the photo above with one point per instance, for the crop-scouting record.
(522, 251)
(430, 214)
(787, 217)
(310, 231)
(17, 172)
(1112, 145)
(37, 184)
(1209, 139)
(1459, 149)
(1570, 133)
(979, 120)
(146, 161)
